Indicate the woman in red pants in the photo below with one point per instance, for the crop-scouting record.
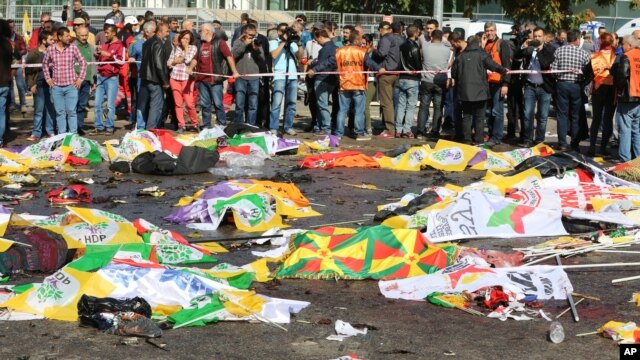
(182, 62)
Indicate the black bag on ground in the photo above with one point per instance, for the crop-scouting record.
(192, 160)
(88, 306)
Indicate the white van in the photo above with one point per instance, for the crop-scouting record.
(467, 27)
(629, 27)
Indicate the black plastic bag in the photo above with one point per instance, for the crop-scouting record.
(128, 317)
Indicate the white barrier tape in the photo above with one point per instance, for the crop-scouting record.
(18, 66)
(387, 72)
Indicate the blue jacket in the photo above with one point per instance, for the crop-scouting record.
(326, 62)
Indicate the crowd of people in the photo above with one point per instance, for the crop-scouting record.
(154, 69)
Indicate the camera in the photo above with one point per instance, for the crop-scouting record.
(292, 35)
(522, 36)
(534, 43)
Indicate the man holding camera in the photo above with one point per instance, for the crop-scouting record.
(284, 51)
(537, 56)
(248, 55)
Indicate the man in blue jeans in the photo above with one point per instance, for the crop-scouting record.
(43, 111)
(324, 84)
(409, 83)
(107, 79)
(536, 56)
(6, 76)
(498, 84)
(60, 74)
(154, 75)
(569, 89)
(284, 54)
(214, 57)
(248, 55)
(627, 82)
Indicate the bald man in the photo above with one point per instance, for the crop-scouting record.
(188, 25)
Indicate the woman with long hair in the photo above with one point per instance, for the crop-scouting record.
(603, 95)
(182, 62)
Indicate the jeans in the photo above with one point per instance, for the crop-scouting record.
(323, 91)
(568, 101)
(371, 92)
(358, 98)
(628, 119)
(430, 93)
(109, 87)
(65, 100)
(134, 85)
(83, 102)
(407, 100)
(43, 111)
(21, 85)
(603, 101)
(495, 119)
(533, 95)
(183, 95)
(150, 105)
(473, 110)
(4, 104)
(210, 95)
(247, 97)
(386, 84)
(290, 103)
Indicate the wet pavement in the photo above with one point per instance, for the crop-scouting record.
(398, 329)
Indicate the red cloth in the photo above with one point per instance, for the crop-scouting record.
(338, 159)
(76, 160)
(167, 141)
(242, 149)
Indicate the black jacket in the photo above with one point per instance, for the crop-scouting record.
(410, 59)
(470, 73)
(621, 81)
(154, 62)
(545, 57)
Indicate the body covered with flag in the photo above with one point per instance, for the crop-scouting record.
(545, 282)
(377, 252)
(130, 270)
(255, 205)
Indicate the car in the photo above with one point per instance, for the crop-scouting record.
(467, 27)
(629, 27)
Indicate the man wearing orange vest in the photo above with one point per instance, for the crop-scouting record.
(353, 85)
(603, 94)
(498, 83)
(627, 82)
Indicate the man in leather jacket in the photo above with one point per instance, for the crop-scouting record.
(154, 75)
(627, 83)
(408, 84)
(469, 72)
(538, 88)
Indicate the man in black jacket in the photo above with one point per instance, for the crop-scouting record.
(536, 56)
(472, 86)
(409, 83)
(154, 75)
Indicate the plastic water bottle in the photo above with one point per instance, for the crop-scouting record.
(556, 332)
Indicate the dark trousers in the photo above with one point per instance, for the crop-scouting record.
(568, 104)
(168, 108)
(312, 102)
(83, 102)
(473, 111)
(264, 103)
(603, 101)
(515, 110)
(386, 84)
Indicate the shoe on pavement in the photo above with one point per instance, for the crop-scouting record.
(525, 144)
(291, 132)
(33, 138)
(363, 137)
(384, 135)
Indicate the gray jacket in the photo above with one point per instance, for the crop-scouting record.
(388, 53)
(248, 59)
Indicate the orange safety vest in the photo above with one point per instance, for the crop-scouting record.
(351, 58)
(634, 72)
(601, 64)
(493, 49)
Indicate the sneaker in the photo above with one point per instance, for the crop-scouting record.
(181, 130)
(525, 144)
(398, 135)
(97, 132)
(320, 133)
(111, 131)
(33, 138)
(420, 137)
(363, 137)
(291, 132)
(369, 131)
(384, 135)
